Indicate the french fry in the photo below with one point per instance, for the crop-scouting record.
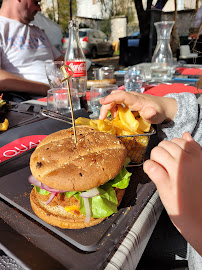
(106, 126)
(4, 125)
(127, 118)
(144, 126)
(118, 124)
(135, 113)
(82, 121)
(93, 123)
(122, 132)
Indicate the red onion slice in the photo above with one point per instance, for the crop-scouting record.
(52, 196)
(34, 181)
(47, 188)
(89, 194)
(87, 208)
(37, 183)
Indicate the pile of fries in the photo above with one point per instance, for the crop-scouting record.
(129, 126)
(3, 109)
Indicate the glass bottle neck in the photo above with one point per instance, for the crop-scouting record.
(74, 50)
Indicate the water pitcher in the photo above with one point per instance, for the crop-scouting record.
(162, 59)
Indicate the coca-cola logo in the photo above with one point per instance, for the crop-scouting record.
(76, 68)
(79, 68)
(19, 146)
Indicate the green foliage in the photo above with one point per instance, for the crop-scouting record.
(60, 13)
(106, 27)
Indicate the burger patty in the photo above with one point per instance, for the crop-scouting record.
(60, 199)
(57, 216)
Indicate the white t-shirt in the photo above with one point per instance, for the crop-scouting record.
(24, 50)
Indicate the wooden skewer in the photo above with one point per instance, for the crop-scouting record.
(67, 77)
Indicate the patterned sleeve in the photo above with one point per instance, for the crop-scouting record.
(188, 118)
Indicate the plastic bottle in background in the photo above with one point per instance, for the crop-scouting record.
(135, 80)
(75, 58)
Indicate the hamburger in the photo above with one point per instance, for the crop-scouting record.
(78, 185)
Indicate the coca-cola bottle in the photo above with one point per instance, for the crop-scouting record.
(75, 59)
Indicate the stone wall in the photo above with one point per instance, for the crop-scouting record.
(184, 22)
(118, 28)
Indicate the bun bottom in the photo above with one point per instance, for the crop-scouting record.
(57, 216)
(100, 82)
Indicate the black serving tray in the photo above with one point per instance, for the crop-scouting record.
(15, 189)
(20, 114)
(97, 241)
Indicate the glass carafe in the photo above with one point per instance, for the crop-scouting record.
(162, 59)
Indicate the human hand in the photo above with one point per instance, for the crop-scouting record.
(152, 108)
(175, 168)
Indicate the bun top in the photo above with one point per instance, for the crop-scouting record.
(94, 160)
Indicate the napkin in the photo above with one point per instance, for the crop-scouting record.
(164, 89)
(189, 71)
(88, 95)
(44, 99)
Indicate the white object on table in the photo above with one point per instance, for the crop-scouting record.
(185, 52)
(132, 247)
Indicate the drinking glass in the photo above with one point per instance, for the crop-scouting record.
(106, 73)
(97, 92)
(135, 79)
(103, 73)
(54, 74)
(58, 100)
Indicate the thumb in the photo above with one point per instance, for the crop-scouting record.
(186, 136)
(156, 173)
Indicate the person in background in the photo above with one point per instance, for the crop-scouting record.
(23, 50)
(175, 164)
(196, 36)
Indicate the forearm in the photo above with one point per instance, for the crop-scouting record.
(191, 232)
(11, 82)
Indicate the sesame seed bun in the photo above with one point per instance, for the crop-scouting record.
(61, 164)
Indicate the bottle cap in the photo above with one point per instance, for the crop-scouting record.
(74, 24)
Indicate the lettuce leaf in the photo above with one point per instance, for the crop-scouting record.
(122, 180)
(41, 191)
(109, 114)
(69, 194)
(102, 205)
